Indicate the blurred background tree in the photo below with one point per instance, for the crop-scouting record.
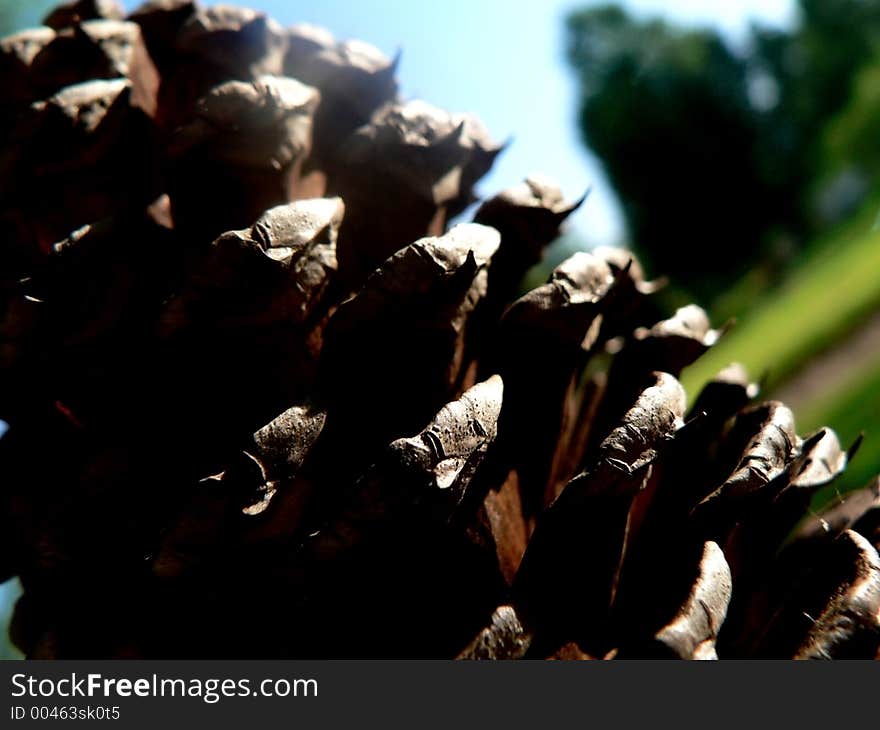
(667, 112)
(716, 153)
(751, 176)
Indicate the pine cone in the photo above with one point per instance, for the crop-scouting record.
(264, 402)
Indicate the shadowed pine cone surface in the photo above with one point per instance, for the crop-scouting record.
(265, 401)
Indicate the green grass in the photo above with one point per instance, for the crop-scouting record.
(833, 289)
(851, 408)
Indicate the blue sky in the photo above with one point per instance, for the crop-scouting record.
(503, 60)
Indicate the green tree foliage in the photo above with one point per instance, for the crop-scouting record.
(716, 154)
(850, 156)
